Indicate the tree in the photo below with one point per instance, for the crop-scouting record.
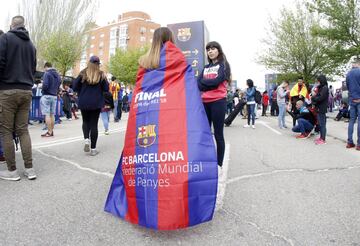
(53, 16)
(124, 64)
(341, 25)
(57, 28)
(62, 49)
(292, 49)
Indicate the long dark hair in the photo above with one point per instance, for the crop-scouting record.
(221, 58)
(250, 83)
(322, 79)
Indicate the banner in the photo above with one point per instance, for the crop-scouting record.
(167, 175)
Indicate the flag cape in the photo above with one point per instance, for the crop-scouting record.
(167, 174)
(295, 91)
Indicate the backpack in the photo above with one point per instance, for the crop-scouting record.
(258, 97)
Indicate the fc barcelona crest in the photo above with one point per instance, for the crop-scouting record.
(146, 135)
(184, 34)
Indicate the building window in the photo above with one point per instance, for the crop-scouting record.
(152, 30)
(102, 35)
(92, 46)
(93, 37)
(142, 39)
(142, 30)
(101, 52)
(112, 52)
(123, 30)
(101, 45)
(123, 36)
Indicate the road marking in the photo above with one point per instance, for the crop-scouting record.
(78, 166)
(70, 140)
(222, 178)
(295, 170)
(269, 127)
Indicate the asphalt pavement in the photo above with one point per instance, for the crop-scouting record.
(273, 190)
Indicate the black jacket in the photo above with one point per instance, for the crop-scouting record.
(17, 60)
(321, 99)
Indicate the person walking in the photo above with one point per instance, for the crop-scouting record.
(320, 99)
(353, 85)
(114, 88)
(265, 103)
(90, 86)
(48, 101)
(212, 83)
(281, 92)
(250, 103)
(105, 111)
(17, 70)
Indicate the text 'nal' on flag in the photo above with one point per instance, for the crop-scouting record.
(167, 174)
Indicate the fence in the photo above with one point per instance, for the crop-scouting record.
(35, 110)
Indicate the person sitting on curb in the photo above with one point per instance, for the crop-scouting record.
(305, 121)
(343, 112)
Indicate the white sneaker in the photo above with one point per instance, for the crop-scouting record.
(253, 126)
(106, 132)
(246, 126)
(30, 173)
(94, 152)
(87, 145)
(10, 175)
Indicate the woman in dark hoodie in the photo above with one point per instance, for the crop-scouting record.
(320, 100)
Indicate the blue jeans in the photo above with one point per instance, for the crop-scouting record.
(303, 126)
(354, 113)
(1, 149)
(105, 117)
(281, 116)
(115, 110)
(251, 113)
(322, 123)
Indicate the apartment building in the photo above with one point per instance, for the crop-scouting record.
(133, 29)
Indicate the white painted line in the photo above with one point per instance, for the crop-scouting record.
(222, 179)
(69, 140)
(78, 166)
(269, 127)
(295, 170)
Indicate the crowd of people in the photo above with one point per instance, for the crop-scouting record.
(95, 96)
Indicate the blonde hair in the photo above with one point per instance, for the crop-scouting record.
(92, 74)
(284, 83)
(151, 59)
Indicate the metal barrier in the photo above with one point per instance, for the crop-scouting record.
(35, 110)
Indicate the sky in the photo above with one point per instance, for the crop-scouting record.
(239, 26)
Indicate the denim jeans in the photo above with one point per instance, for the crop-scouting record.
(1, 149)
(303, 126)
(115, 110)
(281, 116)
(251, 113)
(14, 116)
(105, 117)
(322, 123)
(354, 113)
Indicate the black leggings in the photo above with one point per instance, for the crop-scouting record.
(90, 125)
(215, 112)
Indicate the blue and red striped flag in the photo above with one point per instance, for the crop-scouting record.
(167, 174)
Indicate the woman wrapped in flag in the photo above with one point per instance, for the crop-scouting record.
(167, 174)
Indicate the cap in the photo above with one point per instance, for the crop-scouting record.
(95, 59)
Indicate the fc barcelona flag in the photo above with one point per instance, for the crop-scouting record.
(167, 174)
